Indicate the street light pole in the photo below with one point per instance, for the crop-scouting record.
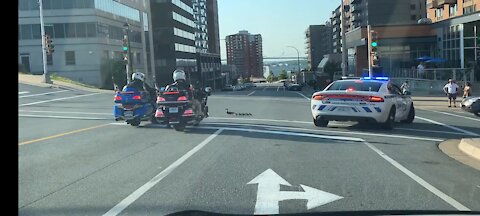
(129, 59)
(344, 40)
(298, 61)
(46, 76)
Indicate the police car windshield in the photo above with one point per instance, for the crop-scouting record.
(355, 85)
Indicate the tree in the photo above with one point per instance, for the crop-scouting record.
(271, 78)
(283, 75)
(113, 71)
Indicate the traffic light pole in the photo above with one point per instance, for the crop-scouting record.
(369, 30)
(46, 76)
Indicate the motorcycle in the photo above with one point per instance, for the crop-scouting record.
(133, 106)
(174, 107)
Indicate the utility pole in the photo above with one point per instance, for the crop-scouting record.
(298, 62)
(369, 31)
(129, 52)
(344, 40)
(46, 76)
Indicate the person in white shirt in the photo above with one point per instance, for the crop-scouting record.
(451, 89)
(421, 70)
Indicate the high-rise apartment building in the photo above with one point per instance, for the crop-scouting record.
(206, 41)
(174, 28)
(457, 23)
(244, 50)
(318, 40)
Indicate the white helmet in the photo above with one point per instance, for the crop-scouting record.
(178, 75)
(139, 76)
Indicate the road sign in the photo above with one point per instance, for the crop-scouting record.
(269, 194)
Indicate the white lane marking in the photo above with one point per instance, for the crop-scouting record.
(269, 193)
(86, 113)
(336, 132)
(251, 93)
(56, 99)
(47, 93)
(278, 88)
(419, 180)
(429, 131)
(144, 188)
(448, 126)
(23, 92)
(303, 96)
(465, 117)
(410, 174)
(63, 117)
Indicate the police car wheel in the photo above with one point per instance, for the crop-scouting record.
(320, 122)
(389, 124)
(411, 115)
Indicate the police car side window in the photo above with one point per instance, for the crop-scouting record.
(393, 89)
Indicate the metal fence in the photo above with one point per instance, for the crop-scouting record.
(459, 74)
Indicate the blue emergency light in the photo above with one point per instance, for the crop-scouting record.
(376, 78)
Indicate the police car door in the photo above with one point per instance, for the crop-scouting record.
(398, 100)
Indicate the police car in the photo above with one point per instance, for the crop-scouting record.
(366, 100)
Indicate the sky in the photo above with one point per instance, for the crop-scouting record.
(281, 23)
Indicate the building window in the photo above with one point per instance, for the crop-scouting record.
(91, 30)
(81, 30)
(50, 59)
(70, 30)
(413, 17)
(70, 57)
(469, 9)
(453, 10)
(26, 31)
(59, 30)
(139, 59)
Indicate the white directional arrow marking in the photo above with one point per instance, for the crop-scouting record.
(269, 194)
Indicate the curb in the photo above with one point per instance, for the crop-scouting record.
(451, 148)
(471, 147)
(58, 84)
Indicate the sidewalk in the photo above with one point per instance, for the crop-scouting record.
(37, 80)
(466, 151)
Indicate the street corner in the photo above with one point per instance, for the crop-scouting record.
(466, 150)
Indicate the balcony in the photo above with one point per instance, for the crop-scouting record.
(356, 8)
(439, 3)
(355, 1)
(356, 17)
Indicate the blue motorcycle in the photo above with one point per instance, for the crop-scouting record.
(134, 106)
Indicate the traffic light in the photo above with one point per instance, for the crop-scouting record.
(49, 45)
(374, 42)
(125, 45)
(374, 45)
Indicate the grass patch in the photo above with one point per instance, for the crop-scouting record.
(67, 80)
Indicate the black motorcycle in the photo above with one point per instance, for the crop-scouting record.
(177, 108)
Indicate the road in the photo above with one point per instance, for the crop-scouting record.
(74, 159)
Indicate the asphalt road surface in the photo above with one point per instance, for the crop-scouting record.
(74, 159)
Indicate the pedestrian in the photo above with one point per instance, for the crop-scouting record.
(451, 89)
(405, 88)
(421, 70)
(467, 90)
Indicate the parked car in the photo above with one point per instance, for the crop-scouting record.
(228, 88)
(293, 87)
(250, 85)
(471, 104)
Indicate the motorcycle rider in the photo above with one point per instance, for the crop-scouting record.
(180, 82)
(138, 82)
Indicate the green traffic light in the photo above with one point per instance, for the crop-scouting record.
(374, 44)
(125, 48)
